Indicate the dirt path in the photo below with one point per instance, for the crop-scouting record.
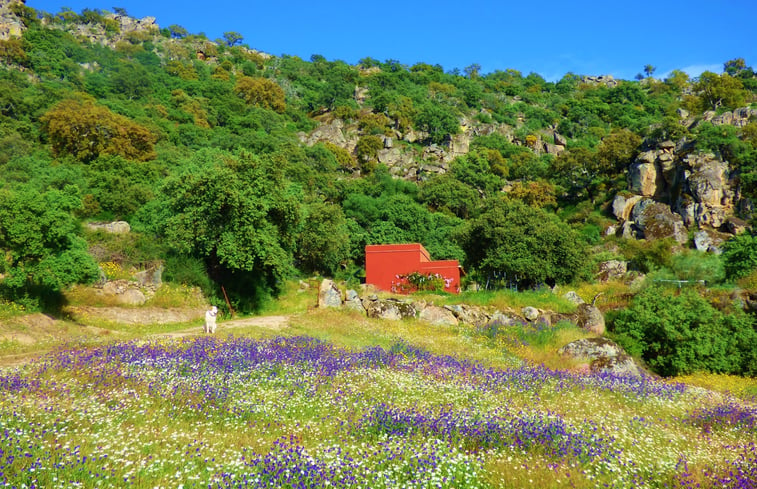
(39, 333)
(274, 323)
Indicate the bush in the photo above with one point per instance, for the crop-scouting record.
(681, 333)
(740, 256)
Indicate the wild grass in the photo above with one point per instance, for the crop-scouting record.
(336, 399)
(299, 412)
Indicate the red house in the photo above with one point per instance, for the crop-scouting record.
(385, 263)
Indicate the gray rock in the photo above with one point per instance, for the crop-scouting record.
(391, 309)
(469, 314)
(504, 318)
(603, 355)
(644, 177)
(354, 302)
(612, 270)
(132, 297)
(622, 206)
(530, 313)
(590, 318)
(116, 227)
(329, 295)
(702, 241)
(657, 221)
(708, 180)
(438, 316)
(573, 297)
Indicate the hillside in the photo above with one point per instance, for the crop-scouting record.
(235, 171)
(147, 172)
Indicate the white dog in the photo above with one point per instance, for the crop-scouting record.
(210, 320)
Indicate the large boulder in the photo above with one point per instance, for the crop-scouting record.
(590, 318)
(354, 302)
(469, 314)
(530, 313)
(329, 294)
(657, 221)
(708, 179)
(622, 206)
(438, 316)
(612, 270)
(603, 355)
(391, 309)
(644, 179)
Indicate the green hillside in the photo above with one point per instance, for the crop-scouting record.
(238, 171)
(147, 172)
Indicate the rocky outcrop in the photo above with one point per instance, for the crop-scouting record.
(603, 355)
(606, 80)
(708, 181)
(125, 292)
(622, 206)
(469, 314)
(655, 173)
(10, 25)
(739, 117)
(668, 181)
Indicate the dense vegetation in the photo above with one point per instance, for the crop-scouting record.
(197, 144)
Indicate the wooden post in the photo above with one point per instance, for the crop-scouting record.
(231, 310)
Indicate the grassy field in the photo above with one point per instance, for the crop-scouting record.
(338, 400)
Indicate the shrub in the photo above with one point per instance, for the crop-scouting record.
(681, 333)
(740, 256)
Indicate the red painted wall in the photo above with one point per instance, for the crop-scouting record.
(384, 262)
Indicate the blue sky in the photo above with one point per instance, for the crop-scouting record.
(547, 37)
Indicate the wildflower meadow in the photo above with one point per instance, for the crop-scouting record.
(299, 412)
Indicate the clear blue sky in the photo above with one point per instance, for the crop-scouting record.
(547, 37)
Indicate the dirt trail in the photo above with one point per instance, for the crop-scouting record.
(275, 323)
(39, 333)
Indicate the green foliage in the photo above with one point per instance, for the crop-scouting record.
(367, 149)
(696, 266)
(438, 120)
(261, 92)
(445, 193)
(527, 244)
(681, 333)
(740, 256)
(42, 251)
(232, 38)
(85, 130)
(238, 214)
(718, 91)
(475, 170)
(323, 240)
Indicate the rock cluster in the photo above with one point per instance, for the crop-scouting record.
(10, 25)
(672, 189)
(603, 355)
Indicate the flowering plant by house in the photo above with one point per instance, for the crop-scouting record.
(417, 281)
